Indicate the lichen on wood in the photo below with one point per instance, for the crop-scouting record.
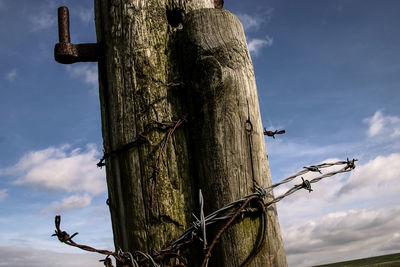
(168, 59)
(229, 162)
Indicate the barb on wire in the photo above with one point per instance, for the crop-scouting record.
(202, 221)
(313, 168)
(227, 214)
(65, 238)
(317, 179)
(223, 213)
(350, 164)
(203, 225)
(273, 133)
(306, 185)
(107, 262)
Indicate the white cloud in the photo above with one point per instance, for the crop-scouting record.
(21, 257)
(396, 132)
(11, 75)
(379, 123)
(309, 204)
(393, 243)
(86, 14)
(87, 72)
(69, 203)
(254, 21)
(284, 148)
(377, 183)
(250, 22)
(59, 168)
(376, 123)
(344, 214)
(376, 175)
(3, 194)
(256, 44)
(42, 21)
(347, 234)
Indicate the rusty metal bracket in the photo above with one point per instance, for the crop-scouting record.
(67, 53)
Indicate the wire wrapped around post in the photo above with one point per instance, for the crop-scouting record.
(225, 214)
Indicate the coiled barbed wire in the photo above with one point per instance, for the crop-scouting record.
(198, 228)
(219, 215)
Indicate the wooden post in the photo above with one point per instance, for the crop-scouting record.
(162, 60)
(226, 130)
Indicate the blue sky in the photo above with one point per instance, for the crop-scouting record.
(326, 71)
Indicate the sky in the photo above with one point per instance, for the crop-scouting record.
(327, 72)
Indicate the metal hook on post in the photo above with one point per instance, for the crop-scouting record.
(67, 53)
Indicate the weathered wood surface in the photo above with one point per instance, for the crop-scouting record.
(137, 75)
(141, 80)
(229, 162)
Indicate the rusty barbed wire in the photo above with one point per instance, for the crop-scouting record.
(224, 214)
(65, 238)
(231, 220)
(257, 249)
(273, 133)
(142, 137)
(156, 168)
(219, 215)
(107, 262)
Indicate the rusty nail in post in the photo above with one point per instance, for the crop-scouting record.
(67, 53)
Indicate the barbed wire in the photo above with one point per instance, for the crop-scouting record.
(219, 215)
(156, 168)
(65, 238)
(273, 133)
(197, 231)
(142, 137)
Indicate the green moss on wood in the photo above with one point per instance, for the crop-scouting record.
(145, 76)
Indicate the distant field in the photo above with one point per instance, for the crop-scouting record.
(392, 260)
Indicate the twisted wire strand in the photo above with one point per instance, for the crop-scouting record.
(220, 215)
(147, 257)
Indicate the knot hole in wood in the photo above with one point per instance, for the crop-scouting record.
(175, 17)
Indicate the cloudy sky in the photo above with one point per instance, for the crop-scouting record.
(327, 71)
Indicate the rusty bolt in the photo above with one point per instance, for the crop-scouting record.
(67, 53)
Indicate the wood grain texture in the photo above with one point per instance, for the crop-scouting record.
(141, 79)
(136, 72)
(221, 88)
